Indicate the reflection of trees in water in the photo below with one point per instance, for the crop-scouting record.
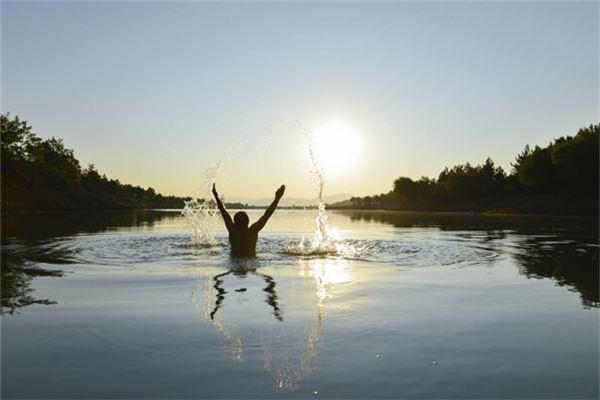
(473, 222)
(567, 262)
(17, 274)
(54, 225)
(20, 261)
(28, 240)
(290, 349)
(567, 251)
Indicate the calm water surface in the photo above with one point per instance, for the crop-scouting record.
(410, 306)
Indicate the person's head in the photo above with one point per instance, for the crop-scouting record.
(241, 219)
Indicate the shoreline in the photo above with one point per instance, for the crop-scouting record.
(489, 213)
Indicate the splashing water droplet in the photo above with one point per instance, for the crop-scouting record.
(198, 216)
(200, 213)
(323, 241)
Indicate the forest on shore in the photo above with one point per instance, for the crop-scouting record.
(562, 177)
(44, 175)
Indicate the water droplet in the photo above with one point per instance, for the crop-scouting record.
(435, 363)
(378, 356)
(315, 393)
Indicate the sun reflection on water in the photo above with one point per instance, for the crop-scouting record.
(290, 363)
(289, 346)
(232, 344)
(327, 273)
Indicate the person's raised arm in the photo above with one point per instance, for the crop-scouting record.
(224, 213)
(258, 225)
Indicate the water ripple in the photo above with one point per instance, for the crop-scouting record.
(152, 248)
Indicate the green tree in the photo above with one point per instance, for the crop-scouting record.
(91, 179)
(55, 157)
(537, 171)
(18, 142)
(516, 166)
(577, 161)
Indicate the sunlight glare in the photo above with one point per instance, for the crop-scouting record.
(337, 147)
(328, 273)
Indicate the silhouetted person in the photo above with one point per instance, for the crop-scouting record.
(242, 237)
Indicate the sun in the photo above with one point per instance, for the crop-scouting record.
(336, 147)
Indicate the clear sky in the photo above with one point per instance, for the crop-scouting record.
(153, 93)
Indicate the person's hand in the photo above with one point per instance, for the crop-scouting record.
(214, 190)
(280, 191)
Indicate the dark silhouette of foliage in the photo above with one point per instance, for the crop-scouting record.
(24, 260)
(560, 175)
(537, 170)
(471, 182)
(576, 160)
(516, 166)
(18, 142)
(52, 155)
(21, 147)
(569, 164)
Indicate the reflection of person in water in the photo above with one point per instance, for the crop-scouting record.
(242, 237)
(271, 300)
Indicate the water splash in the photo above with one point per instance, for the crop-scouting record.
(200, 213)
(323, 240)
(199, 216)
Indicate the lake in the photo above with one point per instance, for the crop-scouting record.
(407, 305)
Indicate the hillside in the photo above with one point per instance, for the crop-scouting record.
(44, 176)
(28, 189)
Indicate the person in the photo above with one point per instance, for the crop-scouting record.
(242, 238)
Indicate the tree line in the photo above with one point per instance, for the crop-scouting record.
(20, 145)
(567, 166)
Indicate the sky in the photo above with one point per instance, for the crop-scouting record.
(157, 93)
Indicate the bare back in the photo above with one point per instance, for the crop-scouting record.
(243, 241)
(243, 238)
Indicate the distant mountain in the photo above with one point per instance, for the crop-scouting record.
(347, 203)
(290, 201)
